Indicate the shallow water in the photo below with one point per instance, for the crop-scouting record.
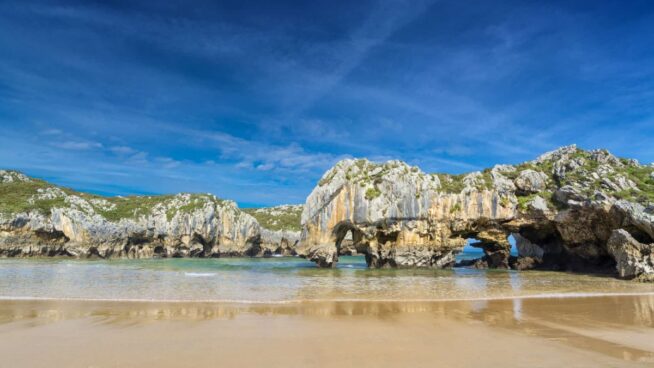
(284, 279)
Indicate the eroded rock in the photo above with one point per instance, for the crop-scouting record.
(57, 222)
(558, 206)
(634, 260)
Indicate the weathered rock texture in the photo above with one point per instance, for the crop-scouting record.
(563, 208)
(40, 219)
(280, 231)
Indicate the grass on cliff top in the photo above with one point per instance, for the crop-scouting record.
(451, 183)
(131, 207)
(642, 176)
(14, 197)
(286, 220)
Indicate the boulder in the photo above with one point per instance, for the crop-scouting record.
(634, 260)
(531, 181)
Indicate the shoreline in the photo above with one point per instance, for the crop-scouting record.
(580, 295)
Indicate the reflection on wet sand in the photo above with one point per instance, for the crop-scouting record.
(611, 311)
(616, 328)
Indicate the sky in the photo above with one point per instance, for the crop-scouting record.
(254, 100)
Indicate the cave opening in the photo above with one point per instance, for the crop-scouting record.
(346, 246)
(349, 241)
(638, 234)
(159, 251)
(482, 252)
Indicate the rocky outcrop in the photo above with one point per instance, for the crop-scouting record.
(634, 260)
(563, 209)
(40, 219)
(278, 242)
(280, 231)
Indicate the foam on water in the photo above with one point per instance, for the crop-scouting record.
(199, 274)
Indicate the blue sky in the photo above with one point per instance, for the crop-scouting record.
(253, 101)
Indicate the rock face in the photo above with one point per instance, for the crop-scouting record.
(280, 231)
(39, 219)
(563, 208)
(634, 259)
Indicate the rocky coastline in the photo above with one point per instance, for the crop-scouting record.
(570, 209)
(40, 219)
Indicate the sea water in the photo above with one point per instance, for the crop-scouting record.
(284, 280)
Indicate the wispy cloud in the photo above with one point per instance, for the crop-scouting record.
(158, 98)
(76, 145)
(122, 150)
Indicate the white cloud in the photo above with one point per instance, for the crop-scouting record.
(77, 145)
(122, 150)
(167, 162)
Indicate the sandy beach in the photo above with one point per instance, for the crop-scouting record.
(616, 331)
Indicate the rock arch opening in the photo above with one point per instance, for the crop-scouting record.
(348, 240)
(493, 246)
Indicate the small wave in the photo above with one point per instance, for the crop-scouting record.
(199, 274)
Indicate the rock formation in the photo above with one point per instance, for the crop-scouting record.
(40, 219)
(280, 232)
(569, 209)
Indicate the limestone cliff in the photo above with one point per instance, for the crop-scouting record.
(41, 219)
(280, 228)
(569, 209)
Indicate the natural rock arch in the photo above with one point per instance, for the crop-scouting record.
(565, 209)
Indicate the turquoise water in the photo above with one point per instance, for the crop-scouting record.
(286, 279)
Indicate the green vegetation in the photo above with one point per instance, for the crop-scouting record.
(523, 201)
(325, 180)
(642, 176)
(16, 197)
(455, 208)
(486, 180)
(131, 207)
(23, 196)
(582, 177)
(196, 202)
(451, 183)
(277, 218)
(372, 193)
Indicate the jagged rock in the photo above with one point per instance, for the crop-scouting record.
(495, 255)
(324, 255)
(539, 205)
(280, 229)
(618, 183)
(633, 258)
(397, 213)
(57, 222)
(7, 176)
(278, 242)
(402, 217)
(530, 181)
(501, 183)
(568, 195)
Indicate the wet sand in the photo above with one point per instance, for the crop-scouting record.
(572, 332)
